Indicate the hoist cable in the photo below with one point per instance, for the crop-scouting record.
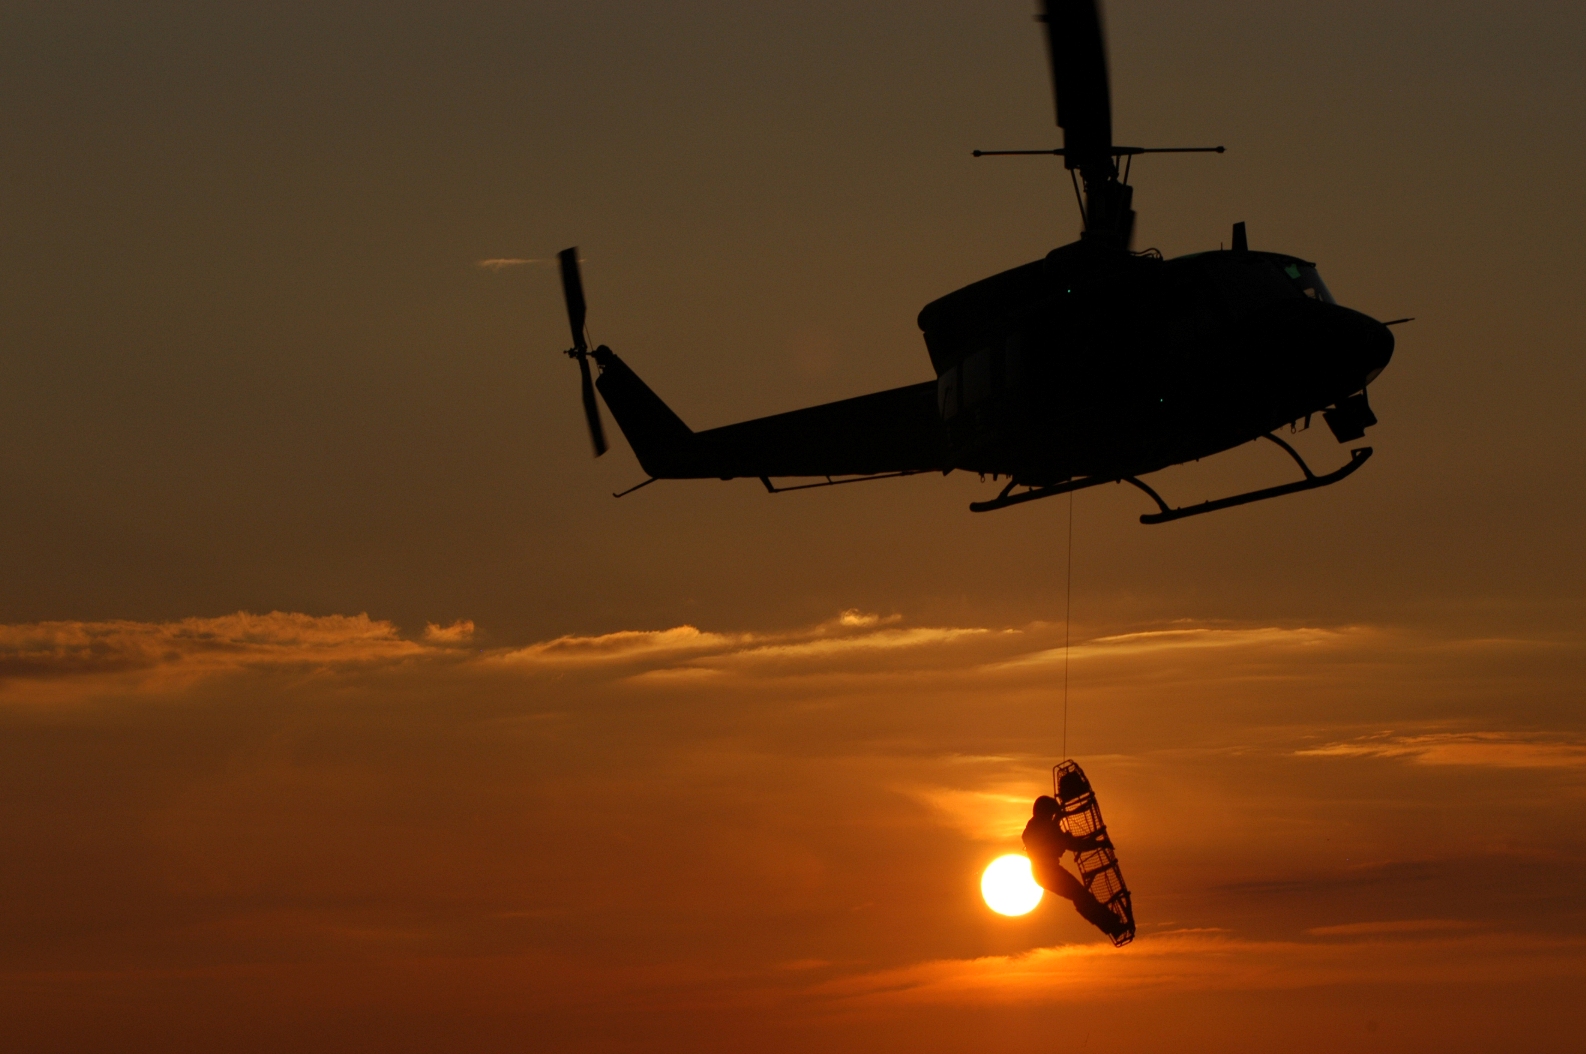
(1068, 609)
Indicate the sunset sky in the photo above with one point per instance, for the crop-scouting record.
(341, 707)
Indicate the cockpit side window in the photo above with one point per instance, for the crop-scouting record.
(1246, 282)
(1309, 282)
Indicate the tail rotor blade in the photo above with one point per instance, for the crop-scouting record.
(573, 291)
(597, 434)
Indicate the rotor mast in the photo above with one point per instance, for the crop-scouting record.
(1077, 49)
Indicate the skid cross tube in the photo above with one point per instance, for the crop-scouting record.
(770, 489)
(1357, 457)
(1117, 151)
(1002, 501)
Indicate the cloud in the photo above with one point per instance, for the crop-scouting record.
(56, 649)
(69, 647)
(1371, 929)
(855, 651)
(688, 649)
(164, 651)
(1192, 639)
(1489, 749)
(1197, 961)
(458, 632)
(871, 640)
(996, 814)
(625, 646)
(192, 647)
(502, 262)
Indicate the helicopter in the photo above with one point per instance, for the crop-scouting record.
(1095, 364)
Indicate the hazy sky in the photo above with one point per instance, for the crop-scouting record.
(523, 766)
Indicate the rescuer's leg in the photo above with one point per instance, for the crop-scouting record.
(1095, 912)
(1056, 879)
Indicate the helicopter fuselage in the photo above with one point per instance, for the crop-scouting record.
(1091, 363)
(1104, 364)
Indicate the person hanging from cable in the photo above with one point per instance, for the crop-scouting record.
(1045, 841)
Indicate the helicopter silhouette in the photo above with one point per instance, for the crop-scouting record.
(1093, 365)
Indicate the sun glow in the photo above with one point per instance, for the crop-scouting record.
(1009, 887)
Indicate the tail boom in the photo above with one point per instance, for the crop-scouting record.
(899, 430)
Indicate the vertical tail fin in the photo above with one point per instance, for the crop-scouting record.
(659, 438)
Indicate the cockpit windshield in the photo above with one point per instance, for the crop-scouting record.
(1309, 282)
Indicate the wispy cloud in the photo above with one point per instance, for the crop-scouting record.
(459, 632)
(1372, 929)
(60, 649)
(626, 646)
(851, 646)
(163, 652)
(53, 651)
(690, 649)
(500, 263)
(1199, 961)
(1192, 638)
(1507, 750)
(995, 814)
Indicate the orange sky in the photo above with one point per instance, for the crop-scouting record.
(523, 767)
(252, 830)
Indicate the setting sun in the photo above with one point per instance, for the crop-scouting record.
(1009, 887)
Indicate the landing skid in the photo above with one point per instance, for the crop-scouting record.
(1357, 457)
(1312, 481)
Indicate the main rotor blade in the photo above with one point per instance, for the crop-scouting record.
(1078, 54)
(597, 434)
(573, 292)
